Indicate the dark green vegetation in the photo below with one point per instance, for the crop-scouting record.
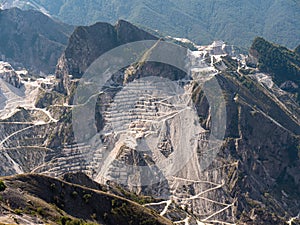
(203, 21)
(65, 220)
(84, 180)
(2, 185)
(259, 159)
(282, 63)
(60, 202)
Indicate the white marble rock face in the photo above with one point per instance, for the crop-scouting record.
(146, 127)
(8, 74)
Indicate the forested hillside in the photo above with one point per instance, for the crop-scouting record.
(281, 62)
(202, 21)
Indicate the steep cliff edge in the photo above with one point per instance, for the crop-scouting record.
(8, 74)
(86, 44)
(250, 177)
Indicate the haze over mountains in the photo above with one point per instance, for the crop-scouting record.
(202, 21)
(146, 115)
(32, 40)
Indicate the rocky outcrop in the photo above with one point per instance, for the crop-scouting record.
(145, 124)
(86, 44)
(283, 64)
(266, 152)
(32, 39)
(8, 74)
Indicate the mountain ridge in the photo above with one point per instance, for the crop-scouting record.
(251, 178)
(201, 21)
(282, 63)
(71, 201)
(32, 40)
(79, 54)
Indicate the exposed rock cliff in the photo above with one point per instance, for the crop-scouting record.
(8, 74)
(86, 44)
(251, 176)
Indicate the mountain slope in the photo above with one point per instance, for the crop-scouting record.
(142, 122)
(32, 39)
(251, 175)
(98, 38)
(202, 21)
(281, 62)
(37, 198)
(86, 44)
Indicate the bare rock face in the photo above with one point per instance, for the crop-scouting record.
(86, 44)
(8, 74)
(32, 39)
(252, 177)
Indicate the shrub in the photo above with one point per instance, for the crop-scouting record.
(94, 216)
(148, 222)
(105, 216)
(53, 186)
(18, 211)
(87, 197)
(74, 194)
(40, 211)
(64, 220)
(2, 185)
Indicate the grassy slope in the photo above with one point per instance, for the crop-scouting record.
(54, 199)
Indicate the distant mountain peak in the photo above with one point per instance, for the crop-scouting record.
(32, 39)
(201, 21)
